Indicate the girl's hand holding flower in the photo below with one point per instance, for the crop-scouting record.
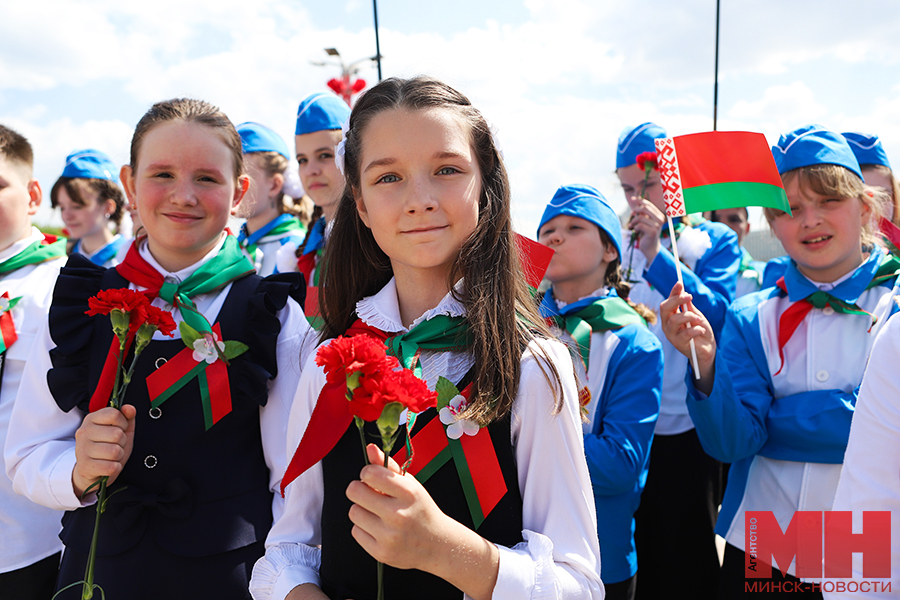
(103, 444)
(648, 221)
(397, 522)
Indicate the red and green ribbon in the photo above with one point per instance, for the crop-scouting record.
(228, 265)
(40, 251)
(795, 313)
(331, 417)
(8, 335)
(215, 391)
(474, 457)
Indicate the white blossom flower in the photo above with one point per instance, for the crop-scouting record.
(205, 348)
(450, 416)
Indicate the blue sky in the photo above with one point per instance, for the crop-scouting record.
(559, 80)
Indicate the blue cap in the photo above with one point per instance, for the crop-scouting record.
(636, 140)
(259, 138)
(321, 111)
(90, 164)
(813, 145)
(867, 148)
(587, 203)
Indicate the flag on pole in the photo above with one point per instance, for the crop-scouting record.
(717, 170)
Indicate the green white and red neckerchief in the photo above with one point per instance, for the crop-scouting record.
(791, 318)
(279, 227)
(37, 252)
(227, 266)
(8, 334)
(581, 319)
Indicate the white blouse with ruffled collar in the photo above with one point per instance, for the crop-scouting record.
(559, 557)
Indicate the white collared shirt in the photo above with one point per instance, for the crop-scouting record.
(30, 531)
(560, 556)
(40, 452)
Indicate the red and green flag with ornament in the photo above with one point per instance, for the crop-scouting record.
(717, 170)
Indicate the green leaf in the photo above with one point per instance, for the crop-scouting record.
(89, 488)
(189, 335)
(446, 392)
(233, 349)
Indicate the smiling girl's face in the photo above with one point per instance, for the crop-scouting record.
(185, 186)
(419, 188)
(824, 235)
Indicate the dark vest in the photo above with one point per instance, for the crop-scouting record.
(347, 571)
(197, 492)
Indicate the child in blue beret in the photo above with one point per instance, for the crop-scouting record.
(876, 168)
(317, 136)
(270, 236)
(679, 503)
(778, 399)
(91, 203)
(618, 360)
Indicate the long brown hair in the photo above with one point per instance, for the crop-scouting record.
(500, 310)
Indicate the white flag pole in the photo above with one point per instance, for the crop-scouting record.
(694, 361)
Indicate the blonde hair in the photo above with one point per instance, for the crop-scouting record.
(838, 182)
(893, 192)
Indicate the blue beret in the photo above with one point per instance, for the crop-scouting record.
(867, 149)
(635, 140)
(587, 203)
(323, 110)
(90, 164)
(259, 138)
(813, 145)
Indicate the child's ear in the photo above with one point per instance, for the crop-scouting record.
(361, 208)
(610, 254)
(109, 207)
(276, 185)
(240, 190)
(35, 196)
(125, 176)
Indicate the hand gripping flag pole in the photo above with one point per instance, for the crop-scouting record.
(712, 171)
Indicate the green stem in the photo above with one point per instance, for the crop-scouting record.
(88, 589)
(380, 570)
(362, 436)
(127, 378)
(115, 400)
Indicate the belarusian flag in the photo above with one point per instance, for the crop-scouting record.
(716, 170)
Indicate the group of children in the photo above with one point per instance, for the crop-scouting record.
(607, 450)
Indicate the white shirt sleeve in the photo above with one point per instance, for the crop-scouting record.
(560, 555)
(292, 557)
(869, 479)
(40, 445)
(295, 342)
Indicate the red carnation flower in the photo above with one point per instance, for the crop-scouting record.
(155, 317)
(375, 392)
(647, 157)
(357, 354)
(121, 299)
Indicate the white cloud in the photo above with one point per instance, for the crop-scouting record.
(780, 107)
(560, 85)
